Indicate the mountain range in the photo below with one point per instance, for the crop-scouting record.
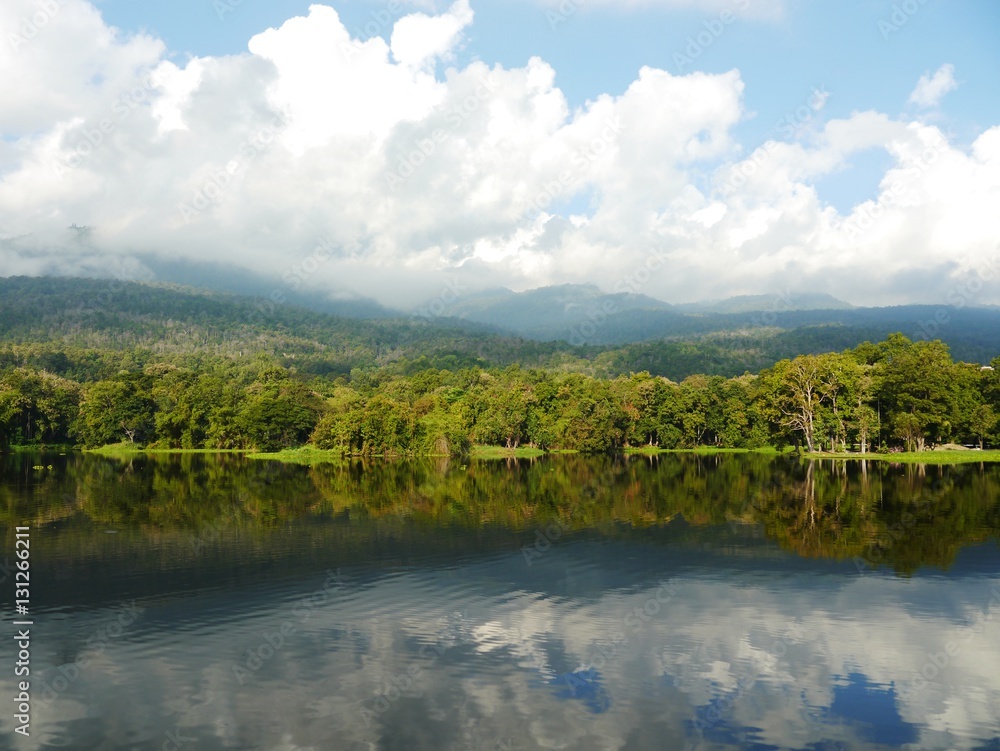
(568, 327)
(584, 314)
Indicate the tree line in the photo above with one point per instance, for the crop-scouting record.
(896, 394)
(833, 510)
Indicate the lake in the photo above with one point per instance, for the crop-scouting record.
(677, 602)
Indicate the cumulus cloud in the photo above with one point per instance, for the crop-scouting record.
(411, 169)
(418, 38)
(931, 88)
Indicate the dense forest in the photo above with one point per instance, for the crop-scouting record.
(153, 321)
(897, 393)
(92, 362)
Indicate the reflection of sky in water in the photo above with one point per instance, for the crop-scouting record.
(583, 686)
(874, 709)
(742, 653)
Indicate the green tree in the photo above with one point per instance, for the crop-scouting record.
(277, 413)
(116, 410)
(794, 389)
(983, 423)
(340, 426)
(388, 427)
(919, 380)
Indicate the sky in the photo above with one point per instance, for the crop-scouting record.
(403, 149)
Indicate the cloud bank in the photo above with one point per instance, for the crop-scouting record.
(414, 169)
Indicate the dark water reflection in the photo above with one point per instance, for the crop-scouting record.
(687, 601)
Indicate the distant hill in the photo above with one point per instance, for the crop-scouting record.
(223, 278)
(582, 314)
(55, 322)
(175, 321)
(566, 312)
(761, 303)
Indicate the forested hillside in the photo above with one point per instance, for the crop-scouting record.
(53, 319)
(757, 329)
(71, 322)
(95, 363)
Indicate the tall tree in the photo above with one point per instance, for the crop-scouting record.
(116, 410)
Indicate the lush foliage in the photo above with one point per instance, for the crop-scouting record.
(895, 394)
(84, 329)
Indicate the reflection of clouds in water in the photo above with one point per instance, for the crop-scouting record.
(521, 666)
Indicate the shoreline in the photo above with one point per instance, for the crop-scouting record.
(312, 455)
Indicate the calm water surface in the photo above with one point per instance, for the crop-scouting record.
(202, 602)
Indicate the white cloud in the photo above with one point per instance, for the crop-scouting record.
(931, 88)
(418, 39)
(412, 173)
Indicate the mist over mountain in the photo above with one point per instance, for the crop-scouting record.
(772, 302)
(579, 336)
(564, 312)
(584, 315)
(291, 288)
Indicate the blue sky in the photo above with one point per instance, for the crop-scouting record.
(757, 145)
(600, 49)
(596, 49)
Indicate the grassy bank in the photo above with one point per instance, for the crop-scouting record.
(53, 448)
(919, 457)
(125, 449)
(306, 454)
(706, 451)
(309, 455)
(500, 452)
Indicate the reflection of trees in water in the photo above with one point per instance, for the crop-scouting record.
(901, 517)
(879, 515)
